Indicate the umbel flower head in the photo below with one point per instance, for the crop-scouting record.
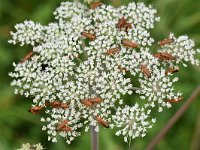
(76, 73)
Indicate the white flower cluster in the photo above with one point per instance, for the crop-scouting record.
(157, 89)
(61, 117)
(182, 49)
(133, 120)
(28, 146)
(88, 1)
(67, 10)
(82, 66)
(27, 33)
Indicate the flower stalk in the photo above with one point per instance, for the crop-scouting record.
(94, 139)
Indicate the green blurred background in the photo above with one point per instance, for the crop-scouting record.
(17, 126)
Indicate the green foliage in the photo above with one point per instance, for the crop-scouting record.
(17, 126)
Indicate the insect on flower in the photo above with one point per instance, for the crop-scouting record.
(102, 122)
(171, 71)
(55, 104)
(166, 41)
(88, 35)
(129, 43)
(87, 103)
(127, 26)
(35, 109)
(95, 5)
(64, 105)
(95, 100)
(63, 126)
(113, 50)
(122, 23)
(27, 57)
(164, 56)
(145, 71)
(44, 67)
(66, 128)
(173, 100)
